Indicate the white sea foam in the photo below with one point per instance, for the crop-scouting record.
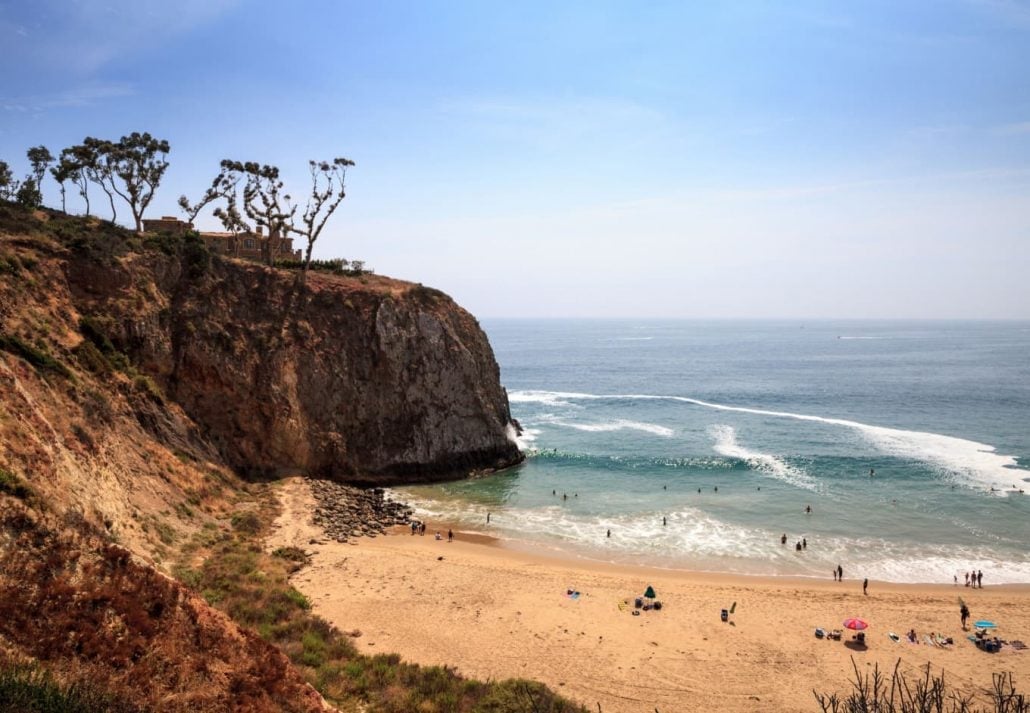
(525, 441)
(616, 425)
(726, 444)
(974, 463)
(695, 539)
(633, 339)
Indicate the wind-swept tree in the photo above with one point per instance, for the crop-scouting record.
(40, 159)
(93, 156)
(265, 203)
(223, 186)
(8, 184)
(138, 161)
(62, 174)
(328, 189)
(232, 221)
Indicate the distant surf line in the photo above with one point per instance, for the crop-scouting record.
(959, 456)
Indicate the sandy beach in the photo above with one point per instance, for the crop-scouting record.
(493, 611)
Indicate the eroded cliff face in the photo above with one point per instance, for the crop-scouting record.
(364, 379)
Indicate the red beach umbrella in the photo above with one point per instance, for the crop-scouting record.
(856, 624)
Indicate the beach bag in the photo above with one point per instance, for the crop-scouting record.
(657, 606)
(637, 603)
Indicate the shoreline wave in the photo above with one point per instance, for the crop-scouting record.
(971, 461)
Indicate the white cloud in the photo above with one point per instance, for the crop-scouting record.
(83, 95)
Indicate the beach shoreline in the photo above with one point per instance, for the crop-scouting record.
(493, 610)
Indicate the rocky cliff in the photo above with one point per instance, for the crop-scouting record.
(364, 379)
(142, 382)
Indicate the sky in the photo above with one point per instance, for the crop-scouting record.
(585, 159)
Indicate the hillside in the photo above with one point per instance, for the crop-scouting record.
(148, 392)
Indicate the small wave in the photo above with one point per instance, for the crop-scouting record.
(975, 463)
(844, 338)
(617, 425)
(726, 445)
(633, 339)
(695, 539)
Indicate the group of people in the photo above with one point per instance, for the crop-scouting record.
(801, 544)
(975, 579)
(419, 528)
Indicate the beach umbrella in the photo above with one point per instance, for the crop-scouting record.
(984, 624)
(855, 623)
(649, 594)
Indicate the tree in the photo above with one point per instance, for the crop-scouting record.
(8, 185)
(265, 203)
(40, 159)
(223, 186)
(232, 221)
(93, 156)
(328, 190)
(28, 195)
(139, 161)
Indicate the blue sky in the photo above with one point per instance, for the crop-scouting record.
(745, 159)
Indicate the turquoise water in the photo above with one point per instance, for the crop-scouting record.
(631, 419)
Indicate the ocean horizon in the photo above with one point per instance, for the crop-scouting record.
(699, 444)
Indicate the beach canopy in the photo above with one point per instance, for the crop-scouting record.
(855, 623)
(984, 624)
(650, 592)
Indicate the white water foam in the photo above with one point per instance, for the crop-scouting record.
(694, 539)
(726, 444)
(975, 463)
(617, 425)
(633, 339)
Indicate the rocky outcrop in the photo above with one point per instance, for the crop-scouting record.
(345, 511)
(361, 379)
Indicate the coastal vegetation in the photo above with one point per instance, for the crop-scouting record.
(926, 693)
(235, 574)
(132, 168)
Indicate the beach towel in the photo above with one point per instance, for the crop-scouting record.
(928, 641)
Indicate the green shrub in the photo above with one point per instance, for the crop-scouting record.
(13, 485)
(246, 522)
(39, 358)
(28, 689)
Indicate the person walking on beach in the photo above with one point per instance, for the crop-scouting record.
(804, 543)
(980, 579)
(450, 535)
(840, 574)
(488, 518)
(964, 613)
(967, 579)
(834, 573)
(865, 586)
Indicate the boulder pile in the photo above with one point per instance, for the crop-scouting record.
(344, 511)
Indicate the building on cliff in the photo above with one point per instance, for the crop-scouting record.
(249, 246)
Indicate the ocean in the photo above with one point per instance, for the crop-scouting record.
(700, 444)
